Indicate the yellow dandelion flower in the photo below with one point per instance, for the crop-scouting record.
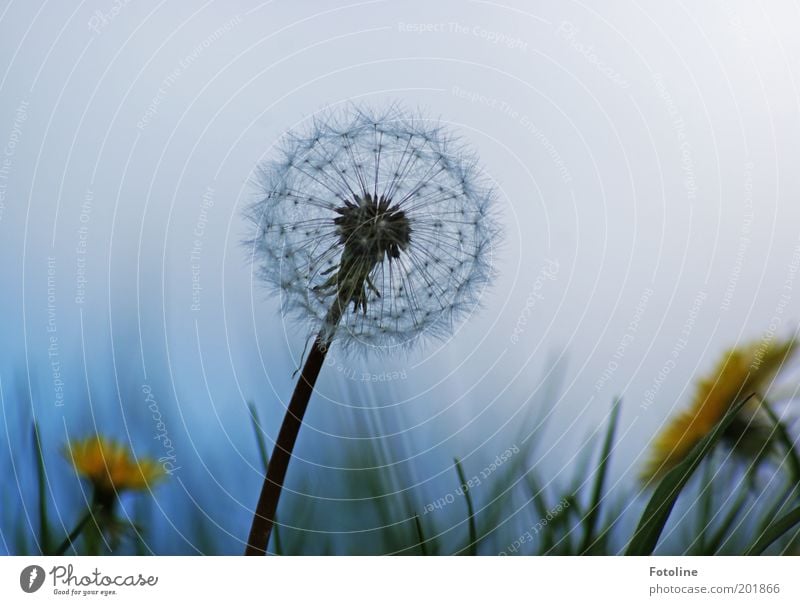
(110, 466)
(741, 371)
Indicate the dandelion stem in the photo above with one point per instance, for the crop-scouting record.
(264, 517)
(41, 476)
(74, 533)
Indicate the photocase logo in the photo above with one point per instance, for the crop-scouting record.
(31, 578)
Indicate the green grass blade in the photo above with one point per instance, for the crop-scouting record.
(262, 446)
(786, 497)
(537, 494)
(276, 537)
(44, 525)
(613, 516)
(706, 503)
(420, 536)
(542, 507)
(590, 520)
(660, 506)
(786, 440)
(473, 534)
(713, 544)
(73, 536)
(775, 531)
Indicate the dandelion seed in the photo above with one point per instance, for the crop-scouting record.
(383, 218)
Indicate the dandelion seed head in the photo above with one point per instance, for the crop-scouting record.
(383, 214)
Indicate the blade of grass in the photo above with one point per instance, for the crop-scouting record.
(569, 539)
(495, 513)
(542, 508)
(706, 504)
(613, 517)
(277, 540)
(566, 526)
(660, 506)
(785, 439)
(473, 534)
(537, 494)
(713, 545)
(420, 536)
(775, 531)
(140, 521)
(44, 526)
(778, 505)
(20, 538)
(262, 446)
(590, 520)
(75, 533)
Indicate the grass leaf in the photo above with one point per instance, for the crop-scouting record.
(539, 499)
(277, 540)
(658, 509)
(473, 534)
(420, 536)
(786, 497)
(706, 504)
(786, 440)
(262, 446)
(775, 531)
(718, 538)
(590, 520)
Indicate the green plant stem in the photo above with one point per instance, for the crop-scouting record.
(264, 517)
(775, 531)
(658, 509)
(706, 502)
(44, 525)
(590, 520)
(75, 532)
(786, 440)
(719, 537)
(473, 533)
(542, 508)
(420, 536)
(262, 451)
(785, 498)
(259, 432)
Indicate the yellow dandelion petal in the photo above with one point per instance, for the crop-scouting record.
(741, 371)
(111, 467)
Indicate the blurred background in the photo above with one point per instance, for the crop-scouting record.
(646, 160)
